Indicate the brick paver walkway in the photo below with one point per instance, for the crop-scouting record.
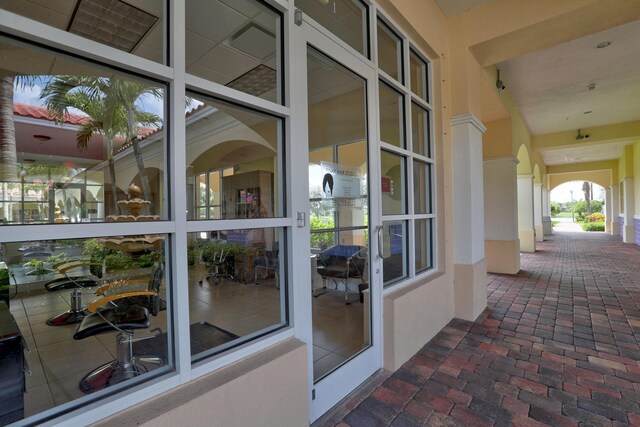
(558, 345)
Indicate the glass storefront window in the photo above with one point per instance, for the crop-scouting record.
(418, 76)
(424, 244)
(391, 116)
(89, 142)
(420, 129)
(236, 287)
(232, 161)
(394, 177)
(389, 52)
(347, 19)
(394, 243)
(135, 26)
(93, 312)
(421, 187)
(237, 44)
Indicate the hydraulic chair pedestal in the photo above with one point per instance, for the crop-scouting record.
(124, 367)
(74, 315)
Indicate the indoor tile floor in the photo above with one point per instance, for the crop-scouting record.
(57, 362)
(558, 345)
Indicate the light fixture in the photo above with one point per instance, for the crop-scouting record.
(581, 137)
(500, 84)
(111, 22)
(603, 44)
(592, 86)
(588, 112)
(42, 138)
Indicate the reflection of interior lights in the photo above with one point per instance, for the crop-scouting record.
(42, 138)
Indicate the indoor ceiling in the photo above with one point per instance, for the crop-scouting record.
(452, 8)
(584, 153)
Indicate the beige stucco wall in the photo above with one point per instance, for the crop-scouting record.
(266, 389)
(412, 316)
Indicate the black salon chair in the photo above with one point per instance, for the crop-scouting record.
(124, 319)
(76, 313)
(124, 307)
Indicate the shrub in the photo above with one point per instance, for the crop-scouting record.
(595, 217)
(593, 226)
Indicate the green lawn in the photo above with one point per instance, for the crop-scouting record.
(563, 215)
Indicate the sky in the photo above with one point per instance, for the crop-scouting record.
(562, 193)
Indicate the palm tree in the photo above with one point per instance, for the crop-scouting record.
(586, 188)
(110, 105)
(8, 155)
(128, 93)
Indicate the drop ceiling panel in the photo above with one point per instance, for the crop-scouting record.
(213, 20)
(228, 62)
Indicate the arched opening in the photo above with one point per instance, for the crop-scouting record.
(578, 206)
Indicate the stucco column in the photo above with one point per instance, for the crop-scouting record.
(470, 271)
(607, 210)
(537, 212)
(526, 230)
(629, 231)
(546, 212)
(615, 210)
(501, 244)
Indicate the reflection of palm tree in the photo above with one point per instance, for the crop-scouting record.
(8, 155)
(110, 105)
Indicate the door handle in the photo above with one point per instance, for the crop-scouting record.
(380, 245)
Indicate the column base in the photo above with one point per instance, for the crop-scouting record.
(607, 226)
(547, 228)
(629, 234)
(615, 228)
(502, 256)
(527, 240)
(469, 290)
(539, 232)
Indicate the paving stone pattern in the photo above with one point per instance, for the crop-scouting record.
(558, 345)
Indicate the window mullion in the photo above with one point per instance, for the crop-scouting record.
(178, 196)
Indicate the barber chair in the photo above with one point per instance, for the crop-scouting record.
(123, 308)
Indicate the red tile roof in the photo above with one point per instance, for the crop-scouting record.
(35, 112)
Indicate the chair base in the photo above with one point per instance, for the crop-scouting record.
(69, 317)
(115, 372)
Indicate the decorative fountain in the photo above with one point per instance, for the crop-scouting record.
(131, 212)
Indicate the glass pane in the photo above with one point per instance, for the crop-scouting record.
(339, 218)
(347, 19)
(418, 76)
(394, 244)
(237, 44)
(77, 303)
(424, 244)
(134, 26)
(389, 52)
(242, 144)
(421, 187)
(420, 130)
(391, 116)
(393, 185)
(236, 287)
(83, 134)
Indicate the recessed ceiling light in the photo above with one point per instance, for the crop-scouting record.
(603, 44)
(588, 112)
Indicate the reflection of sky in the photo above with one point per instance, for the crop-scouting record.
(30, 95)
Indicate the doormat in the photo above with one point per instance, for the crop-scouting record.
(204, 336)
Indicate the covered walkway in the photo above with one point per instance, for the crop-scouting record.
(558, 345)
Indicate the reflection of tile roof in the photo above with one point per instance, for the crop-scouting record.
(36, 112)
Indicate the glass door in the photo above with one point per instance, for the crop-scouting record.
(343, 331)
